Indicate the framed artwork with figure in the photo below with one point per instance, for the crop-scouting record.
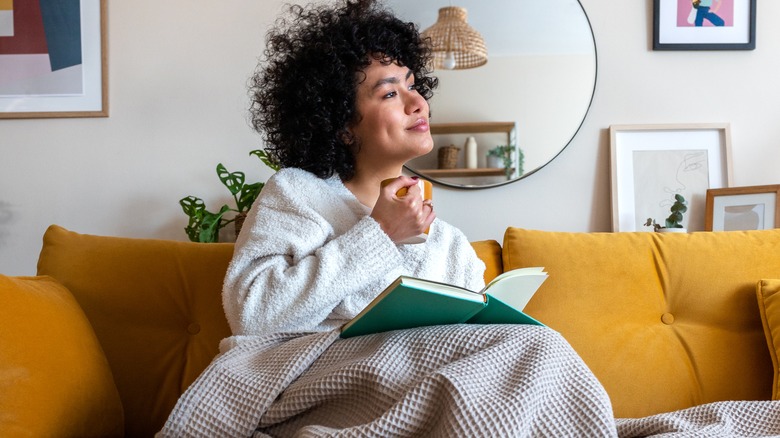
(743, 208)
(653, 163)
(704, 24)
(53, 59)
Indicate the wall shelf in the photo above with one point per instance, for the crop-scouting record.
(473, 127)
(507, 128)
(460, 172)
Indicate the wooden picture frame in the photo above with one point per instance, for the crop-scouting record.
(743, 208)
(54, 64)
(726, 25)
(652, 163)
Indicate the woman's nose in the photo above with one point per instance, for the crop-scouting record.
(415, 102)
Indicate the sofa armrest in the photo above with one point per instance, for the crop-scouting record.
(54, 378)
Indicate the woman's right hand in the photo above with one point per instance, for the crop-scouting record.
(402, 217)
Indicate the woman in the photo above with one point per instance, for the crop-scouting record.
(342, 103)
(340, 116)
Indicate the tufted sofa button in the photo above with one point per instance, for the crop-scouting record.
(667, 318)
(193, 328)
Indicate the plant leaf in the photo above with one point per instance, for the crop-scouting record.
(192, 206)
(248, 195)
(263, 156)
(232, 180)
(212, 222)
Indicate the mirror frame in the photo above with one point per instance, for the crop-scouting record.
(565, 145)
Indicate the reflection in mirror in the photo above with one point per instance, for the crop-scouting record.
(530, 98)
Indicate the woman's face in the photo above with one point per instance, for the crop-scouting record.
(392, 125)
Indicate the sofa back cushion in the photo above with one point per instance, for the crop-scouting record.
(155, 306)
(489, 251)
(768, 292)
(665, 321)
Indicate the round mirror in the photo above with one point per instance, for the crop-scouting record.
(505, 120)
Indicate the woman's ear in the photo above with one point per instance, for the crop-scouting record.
(347, 137)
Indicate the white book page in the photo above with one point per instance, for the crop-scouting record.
(517, 287)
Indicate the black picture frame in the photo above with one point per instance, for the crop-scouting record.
(745, 24)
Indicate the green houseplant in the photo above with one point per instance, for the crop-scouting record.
(204, 225)
(674, 221)
(504, 154)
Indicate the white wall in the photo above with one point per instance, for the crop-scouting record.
(178, 72)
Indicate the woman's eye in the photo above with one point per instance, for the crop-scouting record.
(390, 94)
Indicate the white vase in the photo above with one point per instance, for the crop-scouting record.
(471, 153)
(672, 230)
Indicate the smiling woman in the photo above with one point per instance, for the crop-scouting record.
(317, 248)
(540, 78)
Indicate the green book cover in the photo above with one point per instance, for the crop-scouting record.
(498, 312)
(411, 302)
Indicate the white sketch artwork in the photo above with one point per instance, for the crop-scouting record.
(661, 174)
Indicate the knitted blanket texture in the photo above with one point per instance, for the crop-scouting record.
(444, 381)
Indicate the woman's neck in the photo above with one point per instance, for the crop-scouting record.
(365, 186)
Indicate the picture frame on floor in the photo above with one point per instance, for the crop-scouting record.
(743, 208)
(652, 163)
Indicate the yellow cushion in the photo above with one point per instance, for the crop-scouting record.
(156, 308)
(665, 321)
(490, 253)
(54, 377)
(768, 292)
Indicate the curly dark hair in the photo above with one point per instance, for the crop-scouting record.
(304, 92)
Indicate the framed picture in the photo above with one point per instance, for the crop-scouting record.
(743, 208)
(653, 163)
(53, 59)
(704, 24)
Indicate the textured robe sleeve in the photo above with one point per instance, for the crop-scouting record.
(292, 267)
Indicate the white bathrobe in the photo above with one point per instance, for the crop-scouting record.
(309, 258)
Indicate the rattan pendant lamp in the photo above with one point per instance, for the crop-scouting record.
(456, 45)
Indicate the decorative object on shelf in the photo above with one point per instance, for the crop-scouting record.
(469, 129)
(456, 45)
(651, 161)
(503, 156)
(448, 157)
(673, 223)
(719, 25)
(743, 208)
(493, 161)
(203, 225)
(471, 152)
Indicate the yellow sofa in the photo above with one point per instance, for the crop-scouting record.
(110, 333)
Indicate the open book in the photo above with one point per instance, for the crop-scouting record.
(412, 302)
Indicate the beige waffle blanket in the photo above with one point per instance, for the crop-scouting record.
(447, 381)
(721, 419)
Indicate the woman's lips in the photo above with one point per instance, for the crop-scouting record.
(420, 125)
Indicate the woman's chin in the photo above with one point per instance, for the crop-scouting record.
(426, 149)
